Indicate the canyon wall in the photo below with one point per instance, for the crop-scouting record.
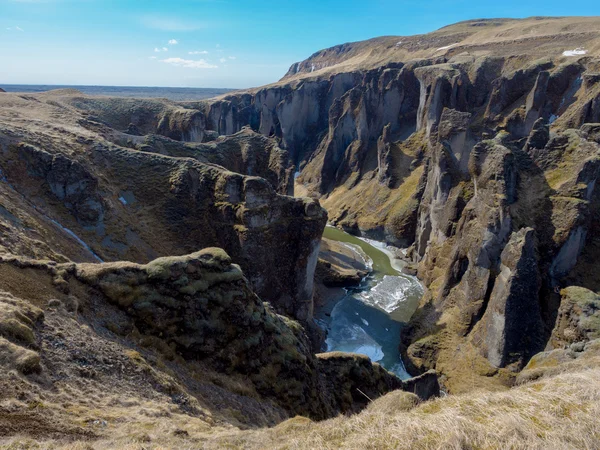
(485, 166)
(78, 189)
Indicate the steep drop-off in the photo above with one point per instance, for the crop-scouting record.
(75, 188)
(478, 145)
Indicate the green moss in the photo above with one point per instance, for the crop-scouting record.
(211, 278)
(14, 328)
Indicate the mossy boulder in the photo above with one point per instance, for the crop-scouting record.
(578, 317)
(17, 337)
(202, 306)
(18, 319)
(394, 402)
(14, 356)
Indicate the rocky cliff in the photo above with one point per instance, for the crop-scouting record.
(185, 310)
(75, 188)
(476, 143)
(87, 184)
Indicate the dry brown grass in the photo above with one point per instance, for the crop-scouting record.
(558, 413)
(534, 37)
(554, 413)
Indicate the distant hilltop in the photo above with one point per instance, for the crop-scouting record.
(532, 38)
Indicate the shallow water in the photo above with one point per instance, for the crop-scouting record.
(369, 318)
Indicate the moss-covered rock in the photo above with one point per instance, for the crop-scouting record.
(202, 306)
(578, 317)
(18, 343)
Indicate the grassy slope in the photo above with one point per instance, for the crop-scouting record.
(555, 412)
(528, 39)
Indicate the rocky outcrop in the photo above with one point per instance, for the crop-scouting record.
(245, 152)
(424, 386)
(578, 318)
(384, 157)
(202, 305)
(477, 255)
(193, 308)
(539, 136)
(575, 340)
(162, 197)
(352, 380)
(580, 356)
(441, 86)
(68, 181)
(511, 329)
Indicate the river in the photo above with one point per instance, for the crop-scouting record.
(369, 318)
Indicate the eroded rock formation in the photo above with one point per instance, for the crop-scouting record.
(484, 155)
(477, 146)
(94, 196)
(197, 307)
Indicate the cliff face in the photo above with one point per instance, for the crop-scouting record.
(184, 311)
(494, 241)
(77, 189)
(91, 199)
(476, 143)
(345, 122)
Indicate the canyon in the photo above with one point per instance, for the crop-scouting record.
(159, 260)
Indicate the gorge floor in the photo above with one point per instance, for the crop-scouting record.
(368, 318)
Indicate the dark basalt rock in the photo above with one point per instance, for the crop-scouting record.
(200, 307)
(511, 329)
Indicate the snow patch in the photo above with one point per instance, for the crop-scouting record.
(446, 47)
(576, 52)
(122, 200)
(552, 118)
(365, 322)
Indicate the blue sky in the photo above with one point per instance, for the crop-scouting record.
(213, 43)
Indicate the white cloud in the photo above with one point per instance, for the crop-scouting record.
(173, 42)
(189, 63)
(15, 29)
(202, 52)
(152, 57)
(232, 57)
(223, 60)
(165, 49)
(156, 49)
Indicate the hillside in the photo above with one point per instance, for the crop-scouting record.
(535, 37)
